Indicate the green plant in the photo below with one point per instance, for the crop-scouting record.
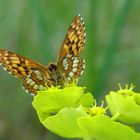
(71, 113)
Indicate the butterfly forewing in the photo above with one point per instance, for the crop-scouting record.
(70, 64)
(31, 72)
(74, 40)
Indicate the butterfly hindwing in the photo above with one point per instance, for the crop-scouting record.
(34, 82)
(73, 68)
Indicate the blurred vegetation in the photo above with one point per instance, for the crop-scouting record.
(36, 29)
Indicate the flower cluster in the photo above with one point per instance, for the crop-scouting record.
(72, 113)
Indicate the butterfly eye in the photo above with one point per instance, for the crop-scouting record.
(52, 67)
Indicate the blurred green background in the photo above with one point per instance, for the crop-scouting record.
(36, 29)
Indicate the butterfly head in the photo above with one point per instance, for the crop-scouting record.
(53, 75)
(52, 67)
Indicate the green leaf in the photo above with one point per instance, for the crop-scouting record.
(101, 127)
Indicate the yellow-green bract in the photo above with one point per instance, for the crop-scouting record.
(63, 112)
(54, 99)
(124, 106)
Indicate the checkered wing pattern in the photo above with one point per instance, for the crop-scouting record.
(70, 64)
(31, 72)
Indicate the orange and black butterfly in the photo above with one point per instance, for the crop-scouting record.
(69, 66)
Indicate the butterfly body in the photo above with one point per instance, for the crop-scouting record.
(68, 68)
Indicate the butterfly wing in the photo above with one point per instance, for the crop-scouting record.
(70, 64)
(74, 40)
(32, 73)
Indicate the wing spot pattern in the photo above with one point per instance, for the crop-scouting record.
(35, 76)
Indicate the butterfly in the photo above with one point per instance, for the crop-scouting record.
(68, 68)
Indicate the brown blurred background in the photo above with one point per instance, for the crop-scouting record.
(36, 29)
